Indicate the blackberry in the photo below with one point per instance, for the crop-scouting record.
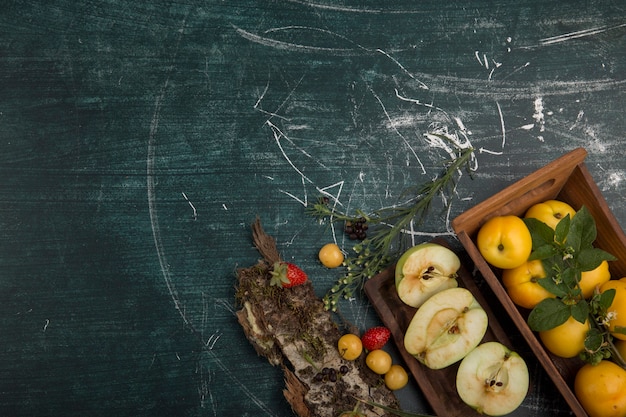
(356, 229)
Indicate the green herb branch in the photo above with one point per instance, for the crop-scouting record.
(566, 252)
(381, 247)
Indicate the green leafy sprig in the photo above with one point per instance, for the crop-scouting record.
(384, 243)
(566, 252)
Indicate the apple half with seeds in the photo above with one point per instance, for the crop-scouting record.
(492, 379)
(424, 270)
(446, 328)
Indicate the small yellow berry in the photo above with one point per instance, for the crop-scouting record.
(330, 255)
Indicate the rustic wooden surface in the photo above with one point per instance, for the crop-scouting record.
(139, 141)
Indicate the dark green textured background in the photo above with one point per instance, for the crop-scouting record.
(138, 141)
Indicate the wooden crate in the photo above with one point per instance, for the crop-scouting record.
(566, 179)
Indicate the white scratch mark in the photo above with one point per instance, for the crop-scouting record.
(539, 117)
(278, 135)
(210, 343)
(289, 46)
(579, 118)
(421, 84)
(484, 150)
(578, 34)
(406, 142)
(224, 207)
(516, 70)
(419, 103)
(354, 9)
(195, 212)
(502, 124)
(45, 326)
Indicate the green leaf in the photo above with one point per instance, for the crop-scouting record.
(548, 314)
(594, 340)
(582, 232)
(619, 329)
(588, 259)
(541, 233)
(562, 229)
(580, 311)
(543, 252)
(603, 301)
(557, 289)
(570, 277)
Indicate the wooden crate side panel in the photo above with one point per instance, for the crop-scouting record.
(581, 190)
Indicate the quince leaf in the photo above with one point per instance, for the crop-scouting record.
(548, 314)
(594, 340)
(570, 277)
(549, 284)
(543, 252)
(580, 311)
(582, 232)
(541, 233)
(589, 259)
(562, 229)
(602, 301)
(619, 329)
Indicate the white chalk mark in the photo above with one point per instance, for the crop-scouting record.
(579, 118)
(354, 9)
(195, 212)
(263, 93)
(538, 116)
(502, 124)
(516, 70)
(152, 210)
(477, 55)
(224, 207)
(45, 326)
(406, 142)
(578, 34)
(395, 61)
(278, 135)
(484, 150)
(419, 103)
(289, 46)
(439, 137)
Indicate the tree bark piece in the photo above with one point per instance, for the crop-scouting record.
(291, 328)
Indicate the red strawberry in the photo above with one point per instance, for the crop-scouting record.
(375, 338)
(287, 274)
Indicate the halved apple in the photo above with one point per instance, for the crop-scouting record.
(424, 270)
(492, 379)
(446, 328)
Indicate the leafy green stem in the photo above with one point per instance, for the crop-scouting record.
(377, 251)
